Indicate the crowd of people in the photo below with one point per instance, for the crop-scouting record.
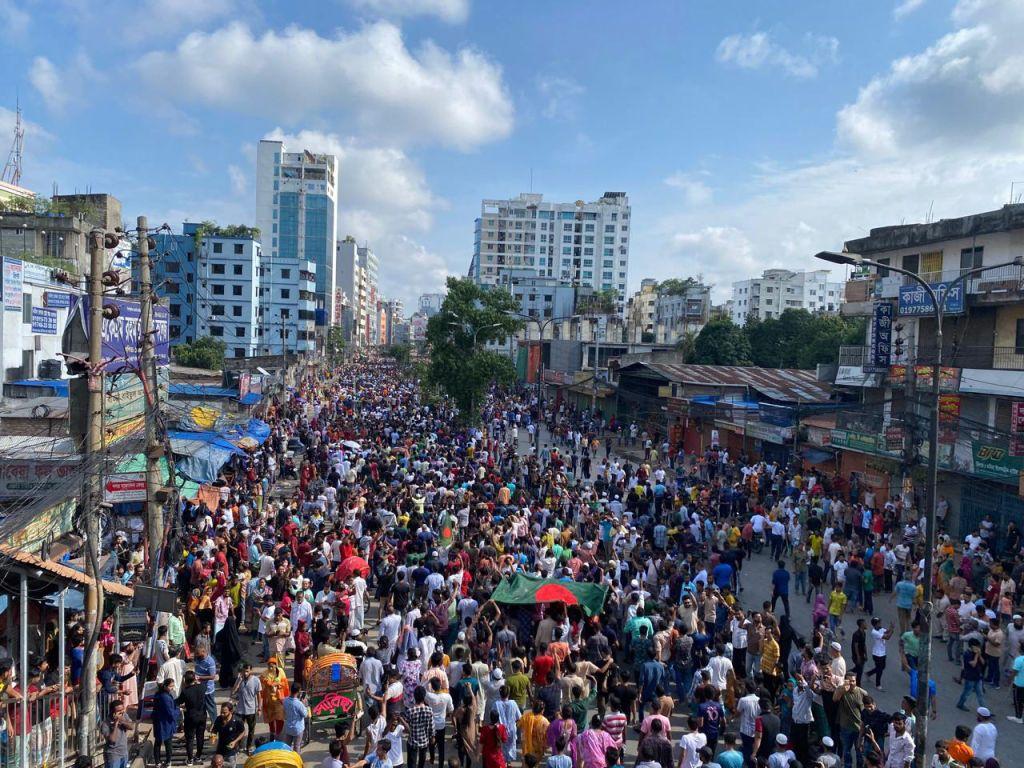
(677, 667)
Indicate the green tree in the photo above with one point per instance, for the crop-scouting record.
(335, 340)
(205, 352)
(687, 345)
(800, 339)
(603, 302)
(401, 352)
(675, 286)
(469, 317)
(721, 342)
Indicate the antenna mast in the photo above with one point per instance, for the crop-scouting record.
(12, 170)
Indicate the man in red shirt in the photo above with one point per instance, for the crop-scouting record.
(543, 665)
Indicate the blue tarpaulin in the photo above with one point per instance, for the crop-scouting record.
(201, 390)
(205, 452)
(59, 386)
(251, 399)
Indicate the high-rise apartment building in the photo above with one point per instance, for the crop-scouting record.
(296, 208)
(578, 243)
(357, 278)
(777, 290)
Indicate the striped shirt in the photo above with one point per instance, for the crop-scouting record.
(615, 725)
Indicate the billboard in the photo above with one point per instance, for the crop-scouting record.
(121, 347)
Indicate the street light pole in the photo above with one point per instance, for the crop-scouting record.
(925, 616)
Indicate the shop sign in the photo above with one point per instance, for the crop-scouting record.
(916, 302)
(897, 375)
(44, 321)
(881, 337)
(894, 438)
(949, 378)
(1017, 417)
(56, 299)
(769, 432)
(819, 436)
(857, 441)
(126, 486)
(995, 461)
(21, 476)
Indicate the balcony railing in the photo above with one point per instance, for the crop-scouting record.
(982, 357)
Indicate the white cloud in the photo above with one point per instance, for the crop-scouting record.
(905, 8)
(239, 181)
(451, 11)
(759, 51)
(171, 16)
(35, 134)
(457, 99)
(383, 199)
(49, 84)
(964, 89)
(13, 20)
(61, 87)
(695, 190)
(940, 128)
(560, 96)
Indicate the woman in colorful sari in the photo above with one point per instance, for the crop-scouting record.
(274, 691)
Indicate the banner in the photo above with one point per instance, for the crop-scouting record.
(1017, 428)
(894, 437)
(881, 337)
(857, 441)
(121, 336)
(13, 282)
(898, 375)
(949, 408)
(949, 378)
(915, 301)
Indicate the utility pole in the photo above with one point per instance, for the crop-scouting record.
(93, 450)
(148, 374)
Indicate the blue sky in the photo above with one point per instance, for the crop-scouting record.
(747, 134)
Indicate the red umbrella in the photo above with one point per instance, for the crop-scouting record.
(354, 564)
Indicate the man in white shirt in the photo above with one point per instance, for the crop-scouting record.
(983, 738)
(690, 745)
(899, 748)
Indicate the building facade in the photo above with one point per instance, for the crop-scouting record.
(577, 243)
(228, 296)
(430, 303)
(777, 290)
(678, 314)
(357, 278)
(296, 209)
(174, 280)
(981, 448)
(640, 311)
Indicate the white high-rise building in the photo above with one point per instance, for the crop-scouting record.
(430, 303)
(578, 243)
(296, 209)
(357, 278)
(777, 290)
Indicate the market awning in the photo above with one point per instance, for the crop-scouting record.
(251, 398)
(61, 573)
(529, 590)
(817, 455)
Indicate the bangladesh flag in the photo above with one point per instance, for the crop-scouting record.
(528, 590)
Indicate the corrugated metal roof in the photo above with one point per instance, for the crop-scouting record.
(786, 385)
(62, 571)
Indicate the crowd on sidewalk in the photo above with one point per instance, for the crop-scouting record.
(676, 667)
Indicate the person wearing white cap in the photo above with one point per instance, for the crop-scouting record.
(984, 736)
(783, 755)
(828, 758)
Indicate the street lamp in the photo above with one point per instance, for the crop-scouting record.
(938, 304)
(540, 367)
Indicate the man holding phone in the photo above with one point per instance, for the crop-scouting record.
(849, 699)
